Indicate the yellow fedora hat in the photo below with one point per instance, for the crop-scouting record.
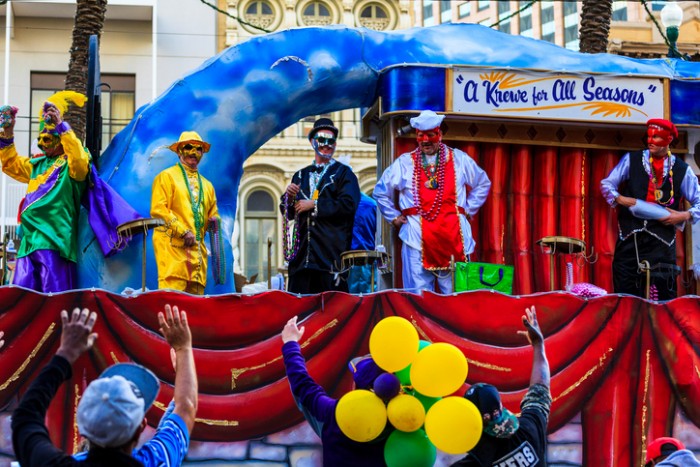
(190, 137)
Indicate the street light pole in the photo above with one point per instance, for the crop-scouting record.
(672, 17)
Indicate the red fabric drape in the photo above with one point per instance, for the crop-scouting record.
(619, 361)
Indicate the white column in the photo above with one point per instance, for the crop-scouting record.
(154, 52)
(5, 100)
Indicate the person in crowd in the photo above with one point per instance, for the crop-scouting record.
(507, 439)
(48, 214)
(186, 202)
(321, 199)
(669, 452)
(434, 207)
(111, 411)
(319, 408)
(657, 176)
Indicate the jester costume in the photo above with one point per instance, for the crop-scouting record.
(59, 180)
(186, 201)
(49, 212)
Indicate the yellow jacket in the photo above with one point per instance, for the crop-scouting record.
(170, 201)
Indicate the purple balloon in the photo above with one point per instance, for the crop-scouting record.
(386, 386)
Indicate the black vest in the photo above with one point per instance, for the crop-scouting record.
(637, 186)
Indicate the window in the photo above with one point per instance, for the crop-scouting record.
(547, 20)
(619, 11)
(316, 14)
(503, 12)
(118, 101)
(658, 5)
(428, 19)
(571, 25)
(445, 12)
(260, 224)
(374, 16)
(465, 9)
(526, 23)
(260, 14)
(483, 5)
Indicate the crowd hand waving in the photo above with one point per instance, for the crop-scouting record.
(174, 328)
(533, 331)
(76, 336)
(291, 331)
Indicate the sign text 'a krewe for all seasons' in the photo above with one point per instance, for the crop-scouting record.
(578, 97)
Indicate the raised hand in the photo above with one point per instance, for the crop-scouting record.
(533, 333)
(174, 327)
(291, 331)
(76, 336)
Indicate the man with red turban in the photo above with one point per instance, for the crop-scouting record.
(655, 176)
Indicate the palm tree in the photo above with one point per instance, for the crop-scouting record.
(89, 20)
(595, 26)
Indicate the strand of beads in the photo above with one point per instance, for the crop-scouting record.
(434, 210)
(290, 252)
(198, 221)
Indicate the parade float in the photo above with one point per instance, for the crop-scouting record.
(544, 122)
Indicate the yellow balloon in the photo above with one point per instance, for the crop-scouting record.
(454, 425)
(361, 415)
(406, 413)
(439, 370)
(393, 343)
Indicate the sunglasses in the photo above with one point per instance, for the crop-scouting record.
(189, 147)
(324, 140)
(45, 138)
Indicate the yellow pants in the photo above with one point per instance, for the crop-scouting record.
(194, 288)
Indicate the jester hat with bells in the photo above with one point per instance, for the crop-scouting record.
(62, 100)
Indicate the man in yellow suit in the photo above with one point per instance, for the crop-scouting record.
(186, 201)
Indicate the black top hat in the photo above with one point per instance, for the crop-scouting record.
(323, 124)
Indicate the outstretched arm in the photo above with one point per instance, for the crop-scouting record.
(540, 366)
(174, 327)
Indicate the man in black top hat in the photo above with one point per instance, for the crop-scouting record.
(322, 199)
(506, 439)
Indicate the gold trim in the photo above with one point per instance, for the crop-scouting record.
(206, 421)
(76, 438)
(32, 354)
(644, 407)
(601, 361)
(237, 372)
(488, 366)
(114, 357)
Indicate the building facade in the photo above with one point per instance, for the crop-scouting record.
(145, 47)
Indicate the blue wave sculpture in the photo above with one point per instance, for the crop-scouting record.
(248, 93)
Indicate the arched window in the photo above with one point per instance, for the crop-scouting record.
(260, 14)
(316, 14)
(260, 225)
(374, 16)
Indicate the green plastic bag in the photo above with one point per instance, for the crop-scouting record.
(476, 276)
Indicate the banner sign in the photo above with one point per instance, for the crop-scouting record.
(526, 94)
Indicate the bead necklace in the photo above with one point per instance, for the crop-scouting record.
(290, 251)
(658, 192)
(417, 155)
(196, 205)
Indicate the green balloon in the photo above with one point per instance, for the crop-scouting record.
(409, 450)
(425, 400)
(404, 375)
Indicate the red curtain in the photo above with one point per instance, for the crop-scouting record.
(622, 362)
